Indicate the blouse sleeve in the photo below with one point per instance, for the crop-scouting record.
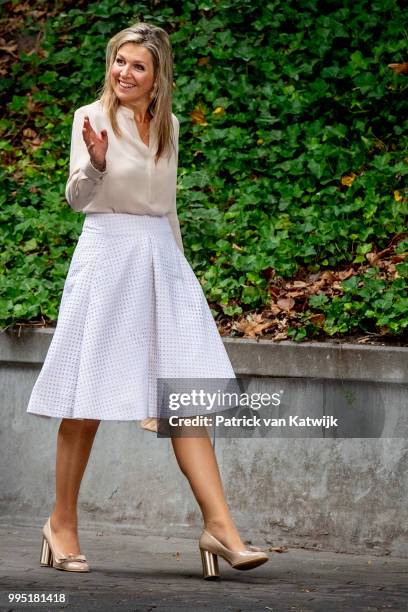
(172, 215)
(84, 179)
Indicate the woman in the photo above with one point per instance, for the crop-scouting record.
(132, 309)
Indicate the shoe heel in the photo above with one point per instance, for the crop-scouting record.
(210, 565)
(46, 554)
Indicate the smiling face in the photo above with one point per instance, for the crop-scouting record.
(132, 76)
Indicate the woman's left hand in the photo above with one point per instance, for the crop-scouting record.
(97, 145)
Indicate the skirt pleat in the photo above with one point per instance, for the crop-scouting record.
(132, 311)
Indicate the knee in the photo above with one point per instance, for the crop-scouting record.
(85, 426)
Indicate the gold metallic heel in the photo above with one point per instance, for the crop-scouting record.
(46, 554)
(211, 548)
(210, 565)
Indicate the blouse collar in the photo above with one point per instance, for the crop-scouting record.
(127, 112)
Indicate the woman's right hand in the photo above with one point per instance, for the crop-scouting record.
(97, 145)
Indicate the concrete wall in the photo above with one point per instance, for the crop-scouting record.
(332, 493)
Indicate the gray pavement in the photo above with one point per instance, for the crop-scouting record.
(154, 573)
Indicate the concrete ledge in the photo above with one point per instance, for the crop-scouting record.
(323, 360)
(318, 360)
(28, 347)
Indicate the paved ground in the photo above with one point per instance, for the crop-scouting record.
(151, 573)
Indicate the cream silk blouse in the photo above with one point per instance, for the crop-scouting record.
(131, 182)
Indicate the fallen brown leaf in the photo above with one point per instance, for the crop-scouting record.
(372, 258)
(318, 319)
(197, 116)
(274, 310)
(401, 68)
(295, 294)
(286, 303)
(343, 274)
(252, 325)
(29, 133)
(274, 291)
(280, 336)
(298, 283)
(398, 258)
(327, 275)
(9, 49)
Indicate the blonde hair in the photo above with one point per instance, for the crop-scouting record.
(157, 41)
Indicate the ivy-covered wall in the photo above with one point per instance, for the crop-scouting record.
(292, 167)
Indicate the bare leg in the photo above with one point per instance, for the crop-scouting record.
(196, 459)
(74, 444)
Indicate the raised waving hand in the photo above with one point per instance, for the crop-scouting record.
(97, 144)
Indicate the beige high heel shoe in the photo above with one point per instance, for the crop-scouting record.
(210, 547)
(51, 558)
(150, 424)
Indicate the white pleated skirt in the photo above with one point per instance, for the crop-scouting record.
(132, 311)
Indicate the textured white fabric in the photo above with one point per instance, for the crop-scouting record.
(131, 310)
(132, 182)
